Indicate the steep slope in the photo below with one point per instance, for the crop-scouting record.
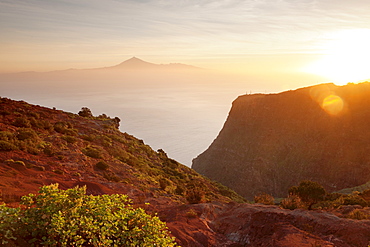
(271, 142)
(39, 146)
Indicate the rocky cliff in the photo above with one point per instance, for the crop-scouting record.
(272, 141)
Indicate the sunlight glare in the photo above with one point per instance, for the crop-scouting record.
(328, 100)
(346, 57)
(332, 104)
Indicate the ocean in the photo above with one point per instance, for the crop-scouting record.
(180, 116)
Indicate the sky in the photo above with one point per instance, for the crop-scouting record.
(309, 36)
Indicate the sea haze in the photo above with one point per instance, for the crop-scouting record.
(176, 108)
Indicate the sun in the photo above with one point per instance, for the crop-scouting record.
(346, 57)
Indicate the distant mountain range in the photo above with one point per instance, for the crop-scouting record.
(133, 64)
(138, 64)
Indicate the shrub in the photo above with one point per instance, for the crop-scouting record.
(85, 112)
(92, 152)
(89, 138)
(8, 224)
(102, 165)
(163, 183)
(32, 150)
(194, 196)
(46, 125)
(351, 200)
(179, 190)
(310, 192)
(110, 176)
(71, 218)
(69, 139)
(65, 128)
(7, 146)
(358, 215)
(264, 199)
(49, 149)
(292, 202)
(22, 122)
(26, 133)
(59, 127)
(195, 192)
(6, 136)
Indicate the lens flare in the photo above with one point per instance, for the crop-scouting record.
(332, 104)
(327, 99)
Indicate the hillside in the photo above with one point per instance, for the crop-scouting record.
(41, 146)
(272, 141)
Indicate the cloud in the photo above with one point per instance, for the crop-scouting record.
(184, 27)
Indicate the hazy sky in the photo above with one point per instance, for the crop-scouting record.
(60, 34)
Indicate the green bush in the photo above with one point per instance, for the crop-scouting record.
(85, 112)
(6, 136)
(49, 149)
(351, 200)
(195, 192)
(292, 202)
(26, 133)
(71, 218)
(264, 199)
(179, 190)
(89, 138)
(7, 146)
(358, 215)
(70, 139)
(110, 176)
(102, 165)
(92, 152)
(22, 122)
(163, 183)
(65, 128)
(310, 192)
(8, 224)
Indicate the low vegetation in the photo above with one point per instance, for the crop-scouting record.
(264, 198)
(311, 195)
(65, 143)
(309, 192)
(57, 217)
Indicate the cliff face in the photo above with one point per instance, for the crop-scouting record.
(272, 142)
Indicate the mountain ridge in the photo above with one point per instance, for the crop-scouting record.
(270, 142)
(131, 64)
